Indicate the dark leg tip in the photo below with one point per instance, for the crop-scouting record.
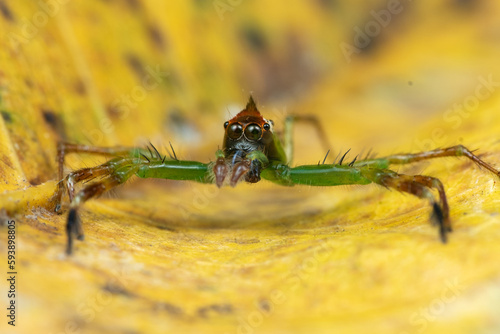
(443, 236)
(438, 219)
(69, 245)
(437, 215)
(72, 219)
(72, 229)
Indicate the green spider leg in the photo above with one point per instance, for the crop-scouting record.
(140, 162)
(288, 133)
(376, 171)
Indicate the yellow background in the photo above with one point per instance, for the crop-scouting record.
(165, 256)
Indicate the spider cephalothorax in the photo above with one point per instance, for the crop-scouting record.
(249, 144)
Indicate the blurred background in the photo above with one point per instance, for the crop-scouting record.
(390, 76)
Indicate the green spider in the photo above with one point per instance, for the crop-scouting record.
(250, 151)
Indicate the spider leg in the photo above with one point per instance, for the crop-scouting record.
(349, 174)
(64, 148)
(434, 183)
(116, 172)
(113, 173)
(454, 151)
(84, 175)
(288, 132)
(417, 185)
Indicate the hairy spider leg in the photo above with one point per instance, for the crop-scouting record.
(64, 148)
(112, 173)
(376, 171)
(334, 175)
(444, 219)
(430, 182)
(417, 185)
(117, 171)
(288, 133)
(406, 158)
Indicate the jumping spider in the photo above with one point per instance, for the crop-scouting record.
(251, 150)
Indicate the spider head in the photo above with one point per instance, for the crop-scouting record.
(247, 131)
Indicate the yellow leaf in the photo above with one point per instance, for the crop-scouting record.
(166, 256)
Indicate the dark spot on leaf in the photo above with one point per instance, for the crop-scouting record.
(157, 37)
(6, 116)
(466, 6)
(366, 40)
(169, 308)
(55, 122)
(255, 39)
(6, 12)
(215, 308)
(370, 46)
(135, 64)
(50, 117)
(179, 126)
(279, 75)
(6, 161)
(265, 305)
(117, 290)
(36, 181)
(28, 82)
(80, 87)
(176, 117)
(326, 4)
(133, 4)
(113, 111)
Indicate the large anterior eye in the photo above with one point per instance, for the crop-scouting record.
(253, 132)
(234, 131)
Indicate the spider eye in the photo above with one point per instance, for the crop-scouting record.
(235, 131)
(226, 124)
(253, 132)
(267, 127)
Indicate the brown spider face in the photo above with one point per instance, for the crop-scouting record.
(246, 132)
